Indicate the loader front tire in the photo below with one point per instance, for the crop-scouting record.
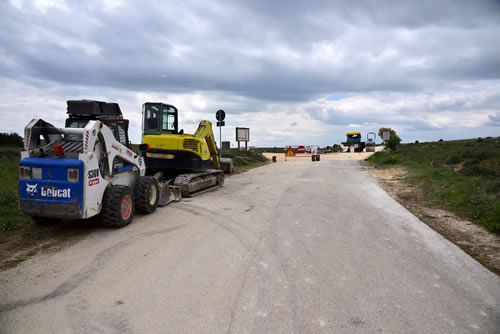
(117, 207)
(147, 194)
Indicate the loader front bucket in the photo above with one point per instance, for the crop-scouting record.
(168, 193)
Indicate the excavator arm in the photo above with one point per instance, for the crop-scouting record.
(205, 131)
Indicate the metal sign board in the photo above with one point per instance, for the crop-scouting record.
(301, 149)
(386, 135)
(243, 134)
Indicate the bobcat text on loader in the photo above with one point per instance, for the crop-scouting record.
(87, 168)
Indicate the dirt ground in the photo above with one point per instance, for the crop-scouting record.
(475, 240)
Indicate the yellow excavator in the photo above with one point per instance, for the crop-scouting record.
(187, 161)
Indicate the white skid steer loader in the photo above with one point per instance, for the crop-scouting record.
(82, 172)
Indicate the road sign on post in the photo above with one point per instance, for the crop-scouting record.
(386, 135)
(220, 115)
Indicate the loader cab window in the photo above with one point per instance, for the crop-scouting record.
(75, 123)
(119, 132)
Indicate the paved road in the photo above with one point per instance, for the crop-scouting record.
(295, 247)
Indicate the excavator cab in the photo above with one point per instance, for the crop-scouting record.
(159, 118)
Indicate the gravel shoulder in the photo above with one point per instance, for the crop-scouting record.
(475, 240)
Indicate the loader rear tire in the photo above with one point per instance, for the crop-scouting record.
(117, 207)
(147, 194)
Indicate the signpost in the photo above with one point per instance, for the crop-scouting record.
(242, 134)
(220, 115)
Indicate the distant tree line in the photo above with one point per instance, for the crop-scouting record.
(11, 139)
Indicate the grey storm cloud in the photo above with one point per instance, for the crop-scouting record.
(278, 50)
(495, 119)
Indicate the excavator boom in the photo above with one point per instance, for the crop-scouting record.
(205, 131)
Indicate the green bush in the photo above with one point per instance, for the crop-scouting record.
(453, 160)
(478, 170)
(470, 163)
(478, 155)
(493, 187)
(243, 157)
(9, 225)
(7, 198)
(390, 160)
(393, 141)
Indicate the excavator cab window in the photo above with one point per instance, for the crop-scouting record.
(168, 119)
(159, 118)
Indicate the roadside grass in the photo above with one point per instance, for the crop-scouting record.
(243, 160)
(10, 217)
(20, 237)
(462, 176)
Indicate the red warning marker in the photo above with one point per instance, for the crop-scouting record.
(290, 152)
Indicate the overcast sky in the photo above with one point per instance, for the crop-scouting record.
(295, 72)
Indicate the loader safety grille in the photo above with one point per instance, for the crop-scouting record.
(191, 144)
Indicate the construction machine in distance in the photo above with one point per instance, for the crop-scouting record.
(187, 161)
(370, 141)
(354, 141)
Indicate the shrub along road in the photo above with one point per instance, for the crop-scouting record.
(304, 247)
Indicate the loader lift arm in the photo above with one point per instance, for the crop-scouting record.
(205, 131)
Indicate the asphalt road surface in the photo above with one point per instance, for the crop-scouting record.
(291, 247)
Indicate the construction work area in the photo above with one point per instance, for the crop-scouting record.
(89, 167)
(325, 156)
(265, 253)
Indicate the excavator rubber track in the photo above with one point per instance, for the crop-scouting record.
(193, 184)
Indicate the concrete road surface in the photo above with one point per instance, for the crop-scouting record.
(297, 247)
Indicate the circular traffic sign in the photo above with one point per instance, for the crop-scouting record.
(220, 115)
(301, 149)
